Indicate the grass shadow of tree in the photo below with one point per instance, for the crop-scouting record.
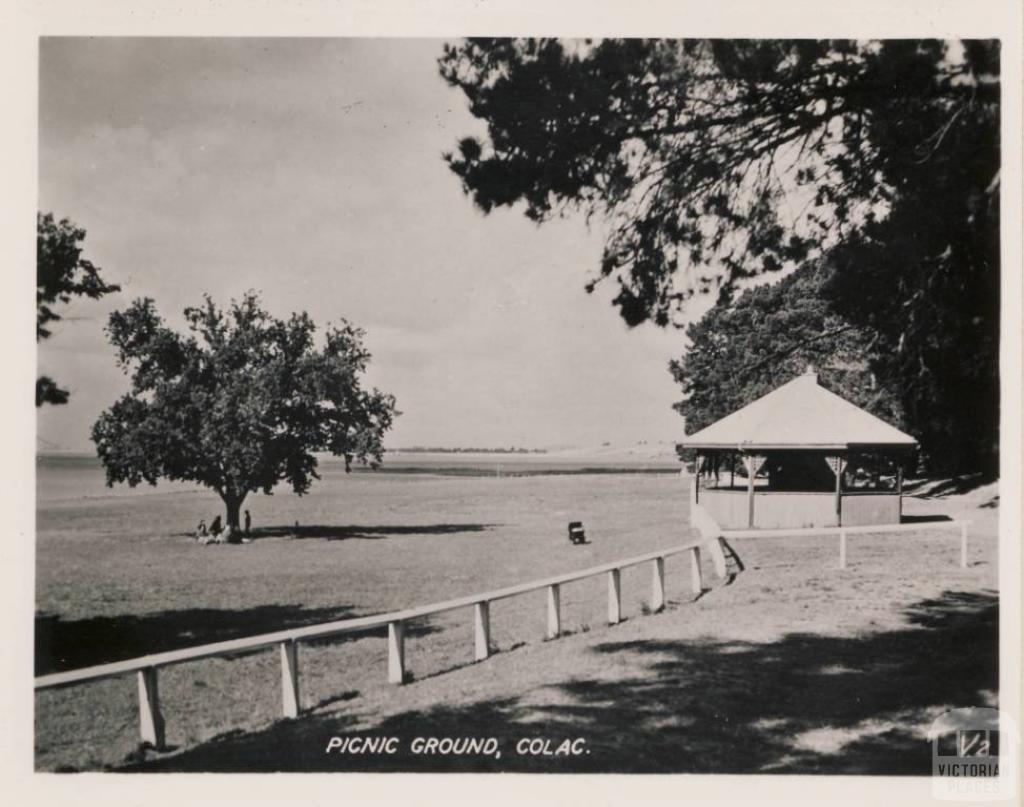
(369, 532)
(69, 644)
(954, 486)
(923, 519)
(806, 703)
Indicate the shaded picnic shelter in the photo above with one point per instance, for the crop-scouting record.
(800, 456)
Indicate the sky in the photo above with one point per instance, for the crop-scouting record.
(311, 171)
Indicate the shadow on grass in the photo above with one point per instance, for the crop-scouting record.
(734, 565)
(67, 645)
(957, 485)
(805, 703)
(344, 532)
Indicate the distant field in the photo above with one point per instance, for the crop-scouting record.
(118, 576)
(116, 551)
(71, 475)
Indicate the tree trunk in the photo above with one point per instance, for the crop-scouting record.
(233, 505)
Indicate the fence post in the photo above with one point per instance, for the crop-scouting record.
(696, 583)
(614, 597)
(151, 722)
(396, 652)
(482, 629)
(963, 546)
(658, 585)
(554, 611)
(842, 549)
(290, 678)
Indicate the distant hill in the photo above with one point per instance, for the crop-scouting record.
(643, 449)
(460, 450)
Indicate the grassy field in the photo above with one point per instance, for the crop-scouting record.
(794, 660)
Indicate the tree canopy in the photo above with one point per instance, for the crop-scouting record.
(714, 162)
(240, 403)
(767, 336)
(61, 273)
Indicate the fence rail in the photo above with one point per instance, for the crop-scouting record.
(151, 724)
(842, 532)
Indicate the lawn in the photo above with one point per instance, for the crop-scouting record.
(750, 663)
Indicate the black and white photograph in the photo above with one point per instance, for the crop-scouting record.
(531, 404)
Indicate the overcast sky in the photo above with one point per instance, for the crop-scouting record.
(312, 171)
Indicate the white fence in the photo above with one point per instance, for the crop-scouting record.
(151, 723)
(842, 532)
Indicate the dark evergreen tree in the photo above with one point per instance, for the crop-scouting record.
(712, 162)
(742, 350)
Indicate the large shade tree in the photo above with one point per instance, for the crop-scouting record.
(768, 335)
(239, 403)
(61, 274)
(711, 163)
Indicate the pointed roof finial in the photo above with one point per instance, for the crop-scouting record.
(811, 374)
